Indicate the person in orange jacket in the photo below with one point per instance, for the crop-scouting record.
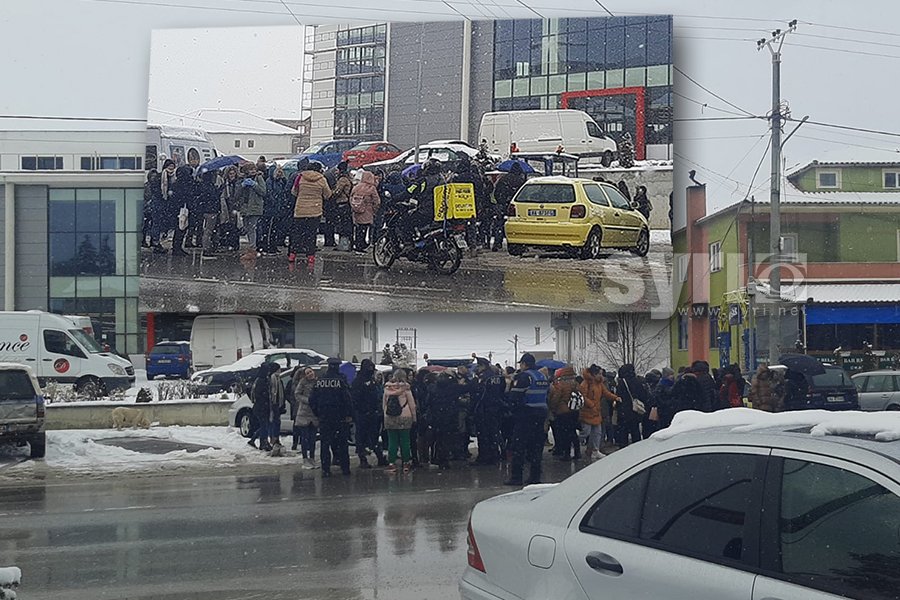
(594, 390)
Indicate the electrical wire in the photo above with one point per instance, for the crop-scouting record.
(737, 118)
(845, 127)
(58, 118)
(710, 92)
(604, 8)
(844, 50)
(706, 105)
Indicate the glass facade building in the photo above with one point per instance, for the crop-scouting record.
(359, 85)
(93, 254)
(538, 62)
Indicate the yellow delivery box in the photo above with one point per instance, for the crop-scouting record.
(456, 199)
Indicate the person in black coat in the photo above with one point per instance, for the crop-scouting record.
(648, 427)
(330, 402)
(443, 415)
(184, 195)
(153, 208)
(504, 191)
(643, 203)
(487, 408)
(629, 388)
(709, 397)
(260, 395)
(367, 414)
(209, 206)
(271, 228)
(687, 393)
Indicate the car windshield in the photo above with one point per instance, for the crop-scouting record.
(89, 343)
(15, 385)
(361, 147)
(315, 148)
(548, 193)
(166, 349)
(833, 377)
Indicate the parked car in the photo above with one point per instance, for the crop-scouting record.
(878, 390)
(369, 152)
(829, 390)
(578, 216)
(169, 359)
(22, 409)
(235, 376)
(446, 152)
(329, 153)
(708, 513)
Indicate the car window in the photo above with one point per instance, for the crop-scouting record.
(443, 154)
(839, 532)
(329, 149)
(616, 198)
(15, 385)
(548, 193)
(695, 505)
(595, 194)
(594, 130)
(876, 383)
(860, 383)
(58, 342)
(832, 377)
(280, 359)
(166, 349)
(391, 148)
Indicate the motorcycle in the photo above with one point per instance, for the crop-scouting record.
(440, 245)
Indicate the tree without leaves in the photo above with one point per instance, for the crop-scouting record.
(640, 343)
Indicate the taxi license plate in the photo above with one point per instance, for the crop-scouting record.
(835, 398)
(541, 212)
(461, 241)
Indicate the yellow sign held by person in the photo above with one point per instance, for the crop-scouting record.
(456, 199)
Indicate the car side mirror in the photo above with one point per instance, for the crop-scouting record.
(634, 205)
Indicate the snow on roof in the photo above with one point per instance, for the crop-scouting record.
(226, 121)
(255, 359)
(837, 293)
(838, 158)
(883, 426)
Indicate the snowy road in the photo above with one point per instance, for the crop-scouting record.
(263, 528)
(348, 282)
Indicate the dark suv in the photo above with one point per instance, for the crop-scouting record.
(831, 390)
(22, 410)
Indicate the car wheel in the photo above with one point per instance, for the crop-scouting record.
(592, 246)
(893, 407)
(91, 387)
(246, 423)
(606, 159)
(643, 243)
(38, 445)
(515, 249)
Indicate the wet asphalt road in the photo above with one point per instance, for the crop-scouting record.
(343, 281)
(268, 533)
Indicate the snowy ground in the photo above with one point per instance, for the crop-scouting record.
(80, 451)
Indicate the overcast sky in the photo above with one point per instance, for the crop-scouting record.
(457, 335)
(91, 58)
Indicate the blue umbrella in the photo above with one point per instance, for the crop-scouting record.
(349, 371)
(551, 364)
(411, 171)
(507, 164)
(220, 162)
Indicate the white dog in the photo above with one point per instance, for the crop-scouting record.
(129, 417)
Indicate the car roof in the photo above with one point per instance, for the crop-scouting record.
(878, 372)
(558, 179)
(268, 351)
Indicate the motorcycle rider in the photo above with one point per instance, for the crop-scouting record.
(422, 193)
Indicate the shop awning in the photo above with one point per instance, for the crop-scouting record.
(822, 314)
(851, 304)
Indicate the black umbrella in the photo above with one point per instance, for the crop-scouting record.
(802, 363)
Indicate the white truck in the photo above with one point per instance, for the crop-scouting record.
(219, 340)
(58, 350)
(546, 131)
(181, 144)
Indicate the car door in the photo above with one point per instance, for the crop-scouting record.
(626, 220)
(874, 390)
(684, 527)
(601, 212)
(61, 358)
(834, 531)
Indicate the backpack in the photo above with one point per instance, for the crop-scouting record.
(394, 409)
(576, 401)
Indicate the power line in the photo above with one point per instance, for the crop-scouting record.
(532, 9)
(709, 91)
(845, 51)
(58, 118)
(846, 127)
(737, 118)
(604, 8)
(451, 7)
(853, 41)
(857, 29)
(706, 105)
(292, 13)
(845, 143)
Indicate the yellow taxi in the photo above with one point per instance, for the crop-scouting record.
(579, 216)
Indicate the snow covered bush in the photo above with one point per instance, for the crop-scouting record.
(10, 577)
(176, 390)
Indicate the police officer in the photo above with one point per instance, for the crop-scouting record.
(529, 397)
(330, 402)
(488, 408)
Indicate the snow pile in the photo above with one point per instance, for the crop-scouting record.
(660, 236)
(884, 426)
(10, 578)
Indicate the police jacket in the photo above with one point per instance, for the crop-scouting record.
(330, 398)
(490, 392)
(529, 391)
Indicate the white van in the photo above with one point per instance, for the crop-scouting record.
(181, 144)
(57, 350)
(544, 131)
(218, 340)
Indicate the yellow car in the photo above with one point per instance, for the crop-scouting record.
(580, 216)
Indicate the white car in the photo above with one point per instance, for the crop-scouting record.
(733, 505)
(223, 379)
(447, 152)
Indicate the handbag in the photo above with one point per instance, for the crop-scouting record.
(183, 218)
(636, 405)
(654, 415)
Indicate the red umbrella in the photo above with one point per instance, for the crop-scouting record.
(436, 369)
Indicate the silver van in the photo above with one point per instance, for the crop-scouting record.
(22, 410)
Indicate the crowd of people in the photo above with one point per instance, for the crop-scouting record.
(212, 210)
(427, 418)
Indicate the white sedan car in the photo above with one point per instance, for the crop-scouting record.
(735, 505)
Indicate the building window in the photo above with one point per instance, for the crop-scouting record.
(715, 257)
(713, 332)
(42, 163)
(682, 267)
(237, 143)
(828, 179)
(682, 332)
(789, 247)
(891, 179)
(250, 143)
(111, 163)
(612, 332)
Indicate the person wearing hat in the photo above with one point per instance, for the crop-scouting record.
(528, 395)
(331, 404)
(490, 389)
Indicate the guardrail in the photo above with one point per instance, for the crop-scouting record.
(96, 415)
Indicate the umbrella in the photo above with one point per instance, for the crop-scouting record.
(551, 364)
(220, 162)
(348, 370)
(436, 369)
(802, 363)
(506, 165)
(411, 171)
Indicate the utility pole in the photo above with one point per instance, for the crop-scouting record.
(774, 45)
(515, 343)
